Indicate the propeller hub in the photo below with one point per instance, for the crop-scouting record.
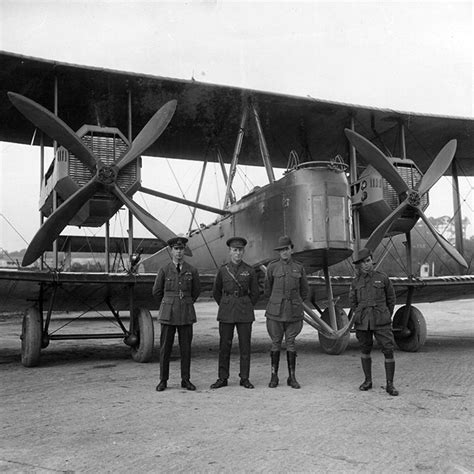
(107, 175)
(414, 198)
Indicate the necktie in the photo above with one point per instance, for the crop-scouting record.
(179, 267)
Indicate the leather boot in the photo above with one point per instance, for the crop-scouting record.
(275, 358)
(291, 358)
(389, 373)
(367, 368)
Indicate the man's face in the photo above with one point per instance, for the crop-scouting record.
(177, 253)
(285, 253)
(367, 264)
(236, 254)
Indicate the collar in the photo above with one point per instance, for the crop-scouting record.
(235, 265)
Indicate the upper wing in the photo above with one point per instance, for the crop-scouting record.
(208, 116)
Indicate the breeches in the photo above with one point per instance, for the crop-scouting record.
(226, 333)
(277, 329)
(185, 336)
(383, 336)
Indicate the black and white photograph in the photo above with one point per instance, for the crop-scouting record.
(237, 236)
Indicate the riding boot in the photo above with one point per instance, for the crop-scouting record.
(291, 358)
(367, 368)
(389, 373)
(275, 358)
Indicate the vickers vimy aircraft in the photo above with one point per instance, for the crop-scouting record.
(339, 192)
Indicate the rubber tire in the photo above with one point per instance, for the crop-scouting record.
(31, 335)
(331, 346)
(417, 327)
(143, 328)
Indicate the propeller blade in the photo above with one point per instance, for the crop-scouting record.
(157, 228)
(438, 167)
(54, 127)
(379, 233)
(377, 159)
(450, 250)
(57, 221)
(150, 132)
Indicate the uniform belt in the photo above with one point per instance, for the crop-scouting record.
(181, 294)
(236, 293)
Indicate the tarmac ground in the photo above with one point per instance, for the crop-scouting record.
(89, 407)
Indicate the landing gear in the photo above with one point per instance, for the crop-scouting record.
(31, 337)
(339, 345)
(412, 337)
(142, 350)
(34, 335)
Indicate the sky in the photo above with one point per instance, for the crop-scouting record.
(409, 56)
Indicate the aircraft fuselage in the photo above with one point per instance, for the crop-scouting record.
(311, 204)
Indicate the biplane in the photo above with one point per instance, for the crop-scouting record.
(353, 176)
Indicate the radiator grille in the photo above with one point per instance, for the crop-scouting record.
(108, 147)
(412, 176)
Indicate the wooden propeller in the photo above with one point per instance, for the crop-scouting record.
(410, 198)
(54, 127)
(105, 176)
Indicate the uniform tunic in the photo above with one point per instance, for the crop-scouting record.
(372, 297)
(236, 299)
(287, 286)
(175, 293)
(236, 292)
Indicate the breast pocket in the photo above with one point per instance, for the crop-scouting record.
(294, 279)
(228, 283)
(187, 281)
(360, 291)
(279, 274)
(379, 290)
(170, 283)
(243, 279)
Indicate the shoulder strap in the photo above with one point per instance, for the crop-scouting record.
(233, 277)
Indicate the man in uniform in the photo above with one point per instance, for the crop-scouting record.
(236, 292)
(176, 289)
(372, 299)
(287, 287)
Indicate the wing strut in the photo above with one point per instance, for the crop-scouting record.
(198, 194)
(229, 197)
(263, 146)
(458, 231)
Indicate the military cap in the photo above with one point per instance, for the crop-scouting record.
(283, 242)
(236, 242)
(361, 255)
(179, 242)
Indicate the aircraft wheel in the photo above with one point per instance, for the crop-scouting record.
(143, 324)
(31, 335)
(335, 346)
(417, 330)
